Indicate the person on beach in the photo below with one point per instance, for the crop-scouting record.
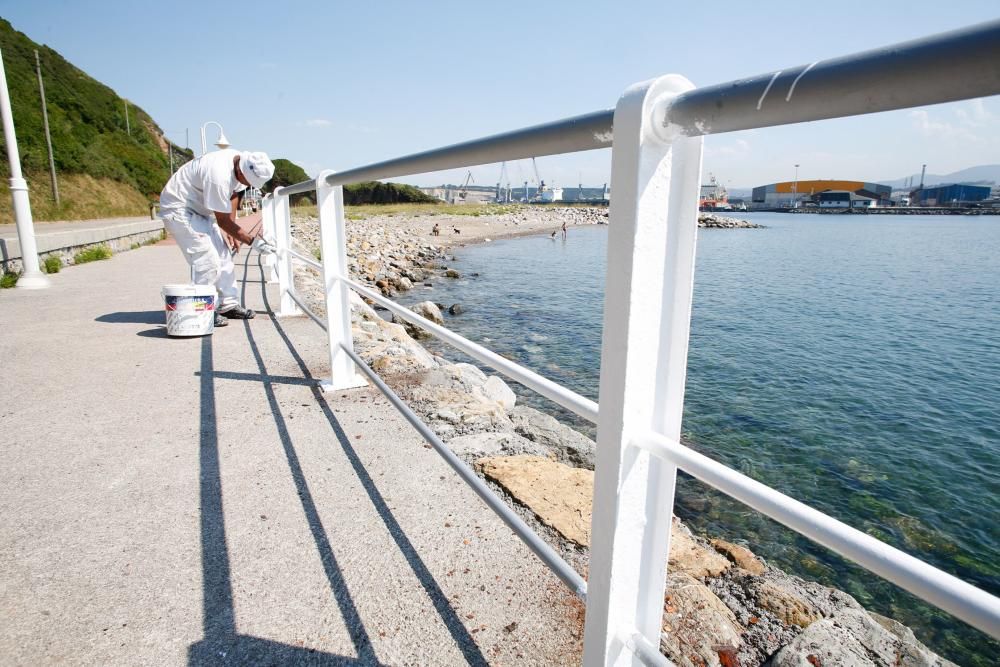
(564, 229)
(437, 230)
(200, 201)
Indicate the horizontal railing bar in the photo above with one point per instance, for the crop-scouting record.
(570, 135)
(949, 66)
(304, 258)
(966, 602)
(570, 400)
(547, 554)
(297, 189)
(644, 649)
(306, 310)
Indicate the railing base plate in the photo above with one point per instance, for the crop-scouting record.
(356, 382)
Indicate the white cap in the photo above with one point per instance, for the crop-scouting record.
(257, 168)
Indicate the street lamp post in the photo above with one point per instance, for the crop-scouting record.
(795, 189)
(31, 276)
(221, 143)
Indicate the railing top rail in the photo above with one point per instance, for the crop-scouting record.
(946, 67)
(950, 66)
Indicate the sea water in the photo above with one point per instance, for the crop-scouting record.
(851, 362)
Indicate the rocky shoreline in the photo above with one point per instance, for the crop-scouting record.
(724, 605)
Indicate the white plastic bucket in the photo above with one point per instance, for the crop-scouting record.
(190, 309)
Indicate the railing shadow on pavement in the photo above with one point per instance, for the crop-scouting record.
(221, 642)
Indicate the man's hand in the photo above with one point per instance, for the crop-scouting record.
(264, 246)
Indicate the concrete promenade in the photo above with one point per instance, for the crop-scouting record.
(199, 501)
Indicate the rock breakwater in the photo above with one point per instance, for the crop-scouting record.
(724, 605)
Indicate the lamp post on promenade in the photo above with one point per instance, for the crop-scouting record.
(221, 143)
(795, 189)
(31, 275)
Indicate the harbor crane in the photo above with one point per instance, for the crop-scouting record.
(503, 193)
(463, 191)
(538, 180)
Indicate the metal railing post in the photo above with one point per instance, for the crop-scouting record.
(333, 246)
(651, 241)
(283, 241)
(267, 218)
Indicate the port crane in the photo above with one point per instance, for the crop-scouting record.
(463, 191)
(503, 194)
(538, 180)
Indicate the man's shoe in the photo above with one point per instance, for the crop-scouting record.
(220, 321)
(238, 313)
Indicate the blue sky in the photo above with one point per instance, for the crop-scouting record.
(337, 85)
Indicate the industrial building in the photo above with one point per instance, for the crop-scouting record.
(822, 193)
(955, 194)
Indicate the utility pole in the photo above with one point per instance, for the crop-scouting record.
(128, 128)
(187, 138)
(48, 137)
(31, 276)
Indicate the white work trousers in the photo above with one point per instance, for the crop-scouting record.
(206, 252)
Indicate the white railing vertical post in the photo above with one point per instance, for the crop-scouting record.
(333, 246)
(283, 241)
(267, 220)
(647, 309)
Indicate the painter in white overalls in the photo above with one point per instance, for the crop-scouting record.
(199, 199)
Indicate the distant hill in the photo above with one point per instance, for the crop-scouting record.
(983, 174)
(86, 119)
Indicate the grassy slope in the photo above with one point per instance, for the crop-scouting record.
(89, 136)
(82, 197)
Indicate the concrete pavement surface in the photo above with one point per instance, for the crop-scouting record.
(198, 500)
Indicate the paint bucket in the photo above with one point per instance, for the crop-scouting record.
(190, 309)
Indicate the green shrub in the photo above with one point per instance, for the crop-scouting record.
(8, 280)
(374, 192)
(92, 254)
(51, 264)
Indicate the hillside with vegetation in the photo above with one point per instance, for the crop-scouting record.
(94, 150)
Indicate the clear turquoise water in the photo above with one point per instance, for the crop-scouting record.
(850, 362)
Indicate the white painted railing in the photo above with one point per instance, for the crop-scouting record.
(655, 133)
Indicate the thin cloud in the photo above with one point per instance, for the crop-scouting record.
(318, 122)
(967, 123)
(738, 148)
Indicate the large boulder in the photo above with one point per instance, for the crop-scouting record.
(456, 389)
(426, 309)
(690, 556)
(740, 556)
(482, 445)
(697, 626)
(569, 446)
(560, 496)
(853, 637)
(497, 390)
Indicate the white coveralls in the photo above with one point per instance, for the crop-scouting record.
(188, 204)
